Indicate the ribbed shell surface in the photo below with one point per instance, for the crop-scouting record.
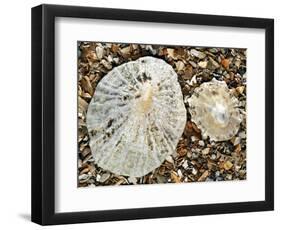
(136, 117)
(215, 110)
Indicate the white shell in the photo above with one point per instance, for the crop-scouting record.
(136, 117)
(215, 110)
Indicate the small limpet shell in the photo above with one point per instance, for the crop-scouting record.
(136, 117)
(215, 110)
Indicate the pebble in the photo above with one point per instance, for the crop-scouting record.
(225, 62)
(195, 128)
(83, 177)
(197, 54)
(205, 151)
(132, 180)
(194, 138)
(242, 103)
(179, 173)
(116, 60)
(106, 64)
(219, 179)
(171, 53)
(242, 135)
(194, 171)
(193, 64)
(193, 81)
(195, 155)
(104, 177)
(240, 89)
(109, 58)
(213, 50)
(185, 100)
(197, 150)
(201, 143)
(203, 64)
(242, 172)
(237, 63)
(175, 178)
(237, 148)
(203, 176)
(229, 176)
(237, 167)
(85, 170)
(125, 50)
(236, 141)
(161, 179)
(99, 52)
(149, 47)
(79, 163)
(227, 165)
(180, 65)
(185, 164)
(213, 156)
(98, 177)
(213, 63)
(90, 159)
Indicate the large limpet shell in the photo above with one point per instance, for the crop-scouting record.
(136, 117)
(215, 110)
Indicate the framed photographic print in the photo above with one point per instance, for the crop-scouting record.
(142, 114)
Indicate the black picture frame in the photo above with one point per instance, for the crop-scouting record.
(43, 114)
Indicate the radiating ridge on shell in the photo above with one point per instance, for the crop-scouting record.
(215, 110)
(136, 117)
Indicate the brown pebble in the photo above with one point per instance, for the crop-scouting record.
(182, 151)
(188, 129)
(203, 176)
(237, 148)
(175, 178)
(188, 73)
(195, 128)
(114, 48)
(240, 89)
(84, 171)
(225, 63)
